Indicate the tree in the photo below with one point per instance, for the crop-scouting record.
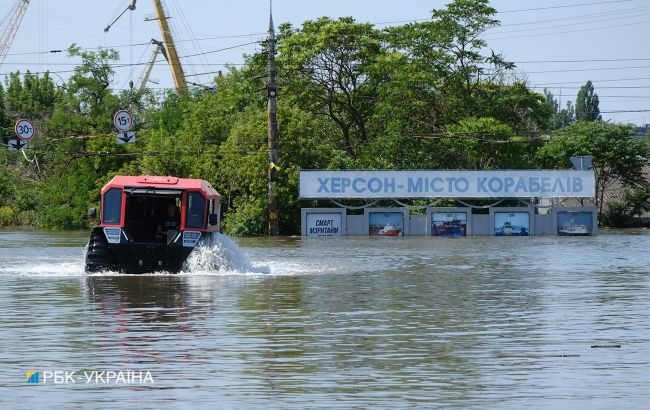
(31, 96)
(562, 117)
(352, 96)
(587, 104)
(77, 146)
(327, 64)
(4, 118)
(514, 105)
(635, 202)
(88, 88)
(441, 72)
(617, 155)
(450, 50)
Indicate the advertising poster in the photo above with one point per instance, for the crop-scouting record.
(386, 224)
(511, 224)
(320, 225)
(449, 224)
(575, 223)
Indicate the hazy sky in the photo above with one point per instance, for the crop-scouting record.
(541, 42)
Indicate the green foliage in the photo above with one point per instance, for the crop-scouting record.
(30, 96)
(616, 215)
(88, 89)
(562, 117)
(587, 104)
(441, 72)
(637, 200)
(64, 199)
(617, 155)
(4, 117)
(620, 214)
(426, 95)
(6, 188)
(328, 65)
(480, 143)
(7, 215)
(249, 219)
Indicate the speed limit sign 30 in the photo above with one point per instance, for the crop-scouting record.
(25, 129)
(123, 120)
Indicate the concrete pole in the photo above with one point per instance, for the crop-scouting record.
(274, 226)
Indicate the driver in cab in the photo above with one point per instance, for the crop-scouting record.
(170, 223)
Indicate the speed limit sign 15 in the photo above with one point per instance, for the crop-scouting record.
(123, 120)
(25, 129)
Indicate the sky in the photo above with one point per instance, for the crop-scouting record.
(558, 44)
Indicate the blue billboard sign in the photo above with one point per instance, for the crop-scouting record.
(447, 184)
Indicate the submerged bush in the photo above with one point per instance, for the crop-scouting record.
(620, 214)
(7, 215)
(250, 219)
(616, 215)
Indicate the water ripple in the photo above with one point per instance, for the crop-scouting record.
(356, 322)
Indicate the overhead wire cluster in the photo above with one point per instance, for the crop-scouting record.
(202, 70)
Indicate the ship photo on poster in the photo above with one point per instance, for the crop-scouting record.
(449, 224)
(386, 224)
(575, 223)
(511, 224)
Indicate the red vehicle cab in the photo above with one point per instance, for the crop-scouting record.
(151, 223)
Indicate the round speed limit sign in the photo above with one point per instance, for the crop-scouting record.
(123, 120)
(25, 129)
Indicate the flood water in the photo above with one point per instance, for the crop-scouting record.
(355, 322)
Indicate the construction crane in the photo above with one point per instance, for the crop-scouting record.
(130, 7)
(172, 55)
(168, 47)
(159, 49)
(10, 30)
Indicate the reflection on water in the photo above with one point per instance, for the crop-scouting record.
(498, 322)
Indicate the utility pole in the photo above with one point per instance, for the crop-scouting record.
(272, 89)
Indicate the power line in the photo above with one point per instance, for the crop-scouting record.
(583, 69)
(219, 50)
(62, 50)
(53, 51)
(595, 81)
(568, 31)
(514, 11)
(118, 65)
(622, 111)
(141, 64)
(597, 88)
(578, 17)
(377, 23)
(608, 19)
(595, 60)
(613, 96)
(565, 6)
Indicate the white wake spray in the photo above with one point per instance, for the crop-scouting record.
(220, 254)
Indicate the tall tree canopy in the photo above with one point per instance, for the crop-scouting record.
(562, 117)
(426, 95)
(328, 65)
(617, 155)
(587, 108)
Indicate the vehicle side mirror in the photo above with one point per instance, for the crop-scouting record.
(92, 213)
(213, 219)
